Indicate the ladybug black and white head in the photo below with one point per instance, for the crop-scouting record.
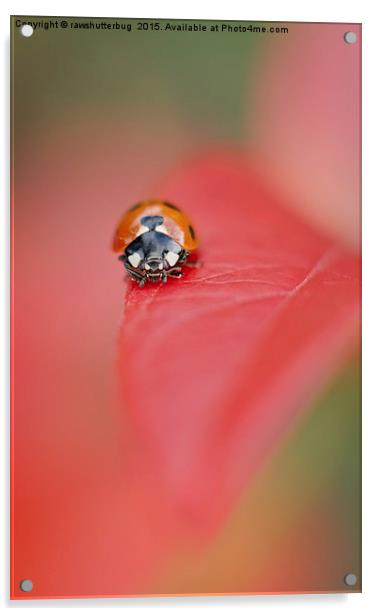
(153, 255)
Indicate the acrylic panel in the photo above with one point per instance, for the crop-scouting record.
(186, 408)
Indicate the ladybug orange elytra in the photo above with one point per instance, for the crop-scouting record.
(156, 239)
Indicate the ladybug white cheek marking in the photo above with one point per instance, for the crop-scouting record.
(172, 258)
(162, 229)
(134, 259)
(142, 229)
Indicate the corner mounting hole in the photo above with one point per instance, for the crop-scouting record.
(350, 579)
(27, 30)
(350, 37)
(26, 585)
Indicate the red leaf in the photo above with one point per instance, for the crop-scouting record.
(215, 367)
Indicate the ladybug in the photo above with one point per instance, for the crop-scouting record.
(157, 239)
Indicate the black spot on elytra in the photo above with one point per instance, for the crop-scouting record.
(135, 207)
(191, 231)
(173, 207)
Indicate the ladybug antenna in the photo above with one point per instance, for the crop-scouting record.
(151, 222)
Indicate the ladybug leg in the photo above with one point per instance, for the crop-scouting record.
(190, 259)
(139, 279)
(133, 274)
(175, 272)
(183, 257)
